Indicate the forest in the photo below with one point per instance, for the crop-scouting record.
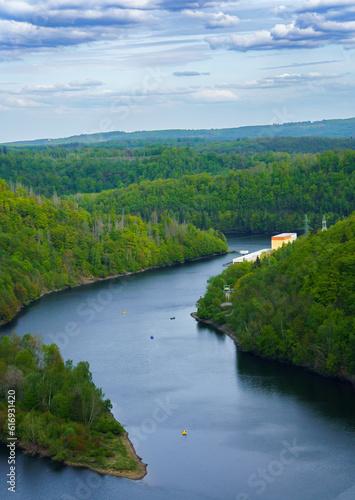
(58, 406)
(273, 193)
(92, 169)
(296, 305)
(51, 244)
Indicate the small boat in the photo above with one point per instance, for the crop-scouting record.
(173, 317)
(243, 252)
(184, 433)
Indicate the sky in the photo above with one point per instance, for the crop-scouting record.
(72, 67)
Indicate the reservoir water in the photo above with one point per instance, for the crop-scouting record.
(255, 429)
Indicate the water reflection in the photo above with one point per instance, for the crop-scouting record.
(221, 337)
(332, 398)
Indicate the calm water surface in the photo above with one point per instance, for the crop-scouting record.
(255, 429)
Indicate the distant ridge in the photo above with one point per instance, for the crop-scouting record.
(341, 128)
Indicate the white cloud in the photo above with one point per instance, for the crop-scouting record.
(324, 5)
(74, 86)
(214, 96)
(213, 19)
(57, 23)
(315, 24)
(189, 73)
(287, 79)
(220, 20)
(29, 24)
(261, 39)
(194, 14)
(19, 102)
(14, 35)
(73, 14)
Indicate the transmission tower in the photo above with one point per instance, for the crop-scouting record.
(306, 226)
(324, 224)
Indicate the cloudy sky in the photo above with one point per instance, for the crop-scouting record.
(71, 67)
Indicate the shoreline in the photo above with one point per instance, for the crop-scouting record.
(221, 328)
(90, 280)
(228, 331)
(128, 474)
(36, 450)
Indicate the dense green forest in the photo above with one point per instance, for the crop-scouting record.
(290, 145)
(271, 194)
(58, 406)
(71, 170)
(51, 244)
(323, 128)
(91, 170)
(296, 305)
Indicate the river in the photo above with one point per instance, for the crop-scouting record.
(255, 429)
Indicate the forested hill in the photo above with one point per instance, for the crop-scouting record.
(49, 245)
(273, 195)
(323, 128)
(297, 305)
(71, 170)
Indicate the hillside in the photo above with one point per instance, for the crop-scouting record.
(323, 128)
(71, 170)
(264, 193)
(297, 305)
(48, 245)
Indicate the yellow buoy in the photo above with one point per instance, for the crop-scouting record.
(184, 433)
(124, 312)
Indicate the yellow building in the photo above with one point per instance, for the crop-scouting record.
(279, 239)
